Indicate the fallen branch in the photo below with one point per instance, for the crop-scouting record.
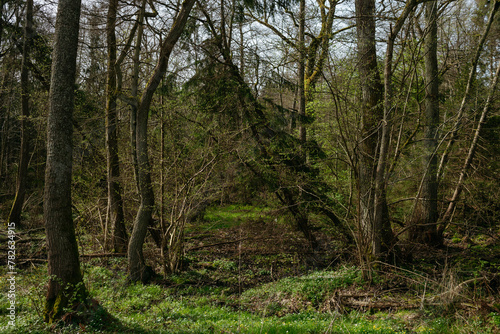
(97, 255)
(23, 241)
(23, 261)
(225, 243)
(32, 230)
(379, 305)
(217, 244)
(457, 289)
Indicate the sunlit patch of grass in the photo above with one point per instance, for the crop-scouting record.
(231, 215)
(154, 308)
(30, 298)
(299, 293)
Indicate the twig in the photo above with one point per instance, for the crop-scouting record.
(225, 243)
(96, 255)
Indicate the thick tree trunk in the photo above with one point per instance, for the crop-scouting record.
(371, 115)
(26, 128)
(426, 231)
(114, 213)
(65, 283)
(137, 267)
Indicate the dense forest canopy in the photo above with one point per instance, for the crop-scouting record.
(365, 132)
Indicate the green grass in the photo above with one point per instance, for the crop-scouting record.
(232, 215)
(303, 293)
(157, 309)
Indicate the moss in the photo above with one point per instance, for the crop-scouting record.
(54, 308)
(68, 298)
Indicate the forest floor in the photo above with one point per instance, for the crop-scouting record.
(246, 271)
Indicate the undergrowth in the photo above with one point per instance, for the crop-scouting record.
(243, 273)
(289, 305)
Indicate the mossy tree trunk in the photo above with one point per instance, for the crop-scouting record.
(65, 287)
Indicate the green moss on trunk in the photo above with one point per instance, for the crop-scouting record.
(65, 301)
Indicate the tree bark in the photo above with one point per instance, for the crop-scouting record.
(135, 91)
(301, 75)
(371, 115)
(26, 127)
(384, 237)
(2, 3)
(65, 286)
(426, 231)
(114, 212)
(137, 267)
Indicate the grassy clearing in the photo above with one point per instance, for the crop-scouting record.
(228, 216)
(245, 273)
(290, 305)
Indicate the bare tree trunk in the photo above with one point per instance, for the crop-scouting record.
(65, 286)
(4, 114)
(472, 150)
(384, 237)
(5, 130)
(372, 114)
(163, 226)
(3, 109)
(472, 76)
(26, 127)
(134, 91)
(454, 132)
(302, 69)
(137, 267)
(426, 230)
(2, 3)
(242, 50)
(114, 213)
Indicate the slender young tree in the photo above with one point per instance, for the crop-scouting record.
(134, 90)
(454, 133)
(472, 149)
(383, 235)
(457, 125)
(302, 71)
(65, 285)
(114, 214)
(137, 266)
(311, 57)
(26, 128)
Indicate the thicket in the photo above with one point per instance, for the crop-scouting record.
(263, 107)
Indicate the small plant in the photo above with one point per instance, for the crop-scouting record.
(495, 319)
(225, 264)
